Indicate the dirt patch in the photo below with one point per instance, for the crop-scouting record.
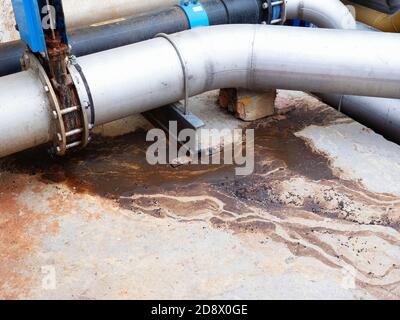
(117, 166)
(16, 243)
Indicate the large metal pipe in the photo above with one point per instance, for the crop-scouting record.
(134, 29)
(134, 79)
(24, 113)
(171, 20)
(318, 60)
(380, 114)
(325, 14)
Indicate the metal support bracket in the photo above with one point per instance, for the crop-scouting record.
(184, 69)
(161, 117)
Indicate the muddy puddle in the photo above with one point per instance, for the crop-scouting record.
(293, 197)
(115, 167)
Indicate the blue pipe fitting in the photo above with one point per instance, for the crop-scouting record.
(195, 13)
(276, 12)
(273, 11)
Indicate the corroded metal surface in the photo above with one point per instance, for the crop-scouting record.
(111, 226)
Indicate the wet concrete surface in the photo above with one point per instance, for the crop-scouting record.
(112, 226)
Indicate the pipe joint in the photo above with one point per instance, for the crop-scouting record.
(274, 11)
(243, 12)
(66, 134)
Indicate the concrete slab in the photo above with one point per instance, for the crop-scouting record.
(105, 224)
(360, 154)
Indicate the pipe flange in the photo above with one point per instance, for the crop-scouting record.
(74, 138)
(85, 100)
(31, 63)
(275, 11)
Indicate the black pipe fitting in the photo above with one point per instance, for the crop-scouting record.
(241, 12)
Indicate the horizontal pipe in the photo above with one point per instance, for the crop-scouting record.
(134, 29)
(380, 114)
(134, 79)
(10, 55)
(131, 30)
(80, 13)
(171, 20)
(318, 60)
(24, 113)
(327, 14)
(84, 13)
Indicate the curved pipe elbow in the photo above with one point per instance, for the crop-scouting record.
(330, 14)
